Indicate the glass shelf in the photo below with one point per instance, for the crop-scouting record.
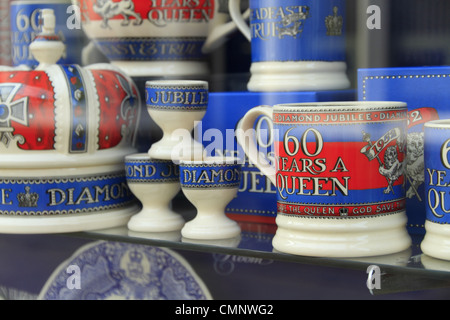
(409, 270)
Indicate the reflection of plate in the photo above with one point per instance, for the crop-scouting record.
(15, 294)
(113, 270)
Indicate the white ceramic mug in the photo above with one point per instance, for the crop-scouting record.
(339, 176)
(297, 45)
(156, 38)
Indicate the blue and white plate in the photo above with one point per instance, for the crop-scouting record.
(123, 271)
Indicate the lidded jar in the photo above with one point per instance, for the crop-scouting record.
(64, 133)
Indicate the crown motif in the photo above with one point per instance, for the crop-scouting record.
(28, 199)
(134, 266)
(343, 212)
(334, 23)
(135, 256)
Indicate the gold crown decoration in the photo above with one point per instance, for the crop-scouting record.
(334, 23)
(343, 212)
(28, 199)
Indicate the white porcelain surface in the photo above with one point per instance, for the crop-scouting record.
(177, 142)
(210, 221)
(342, 237)
(298, 76)
(436, 242)
(156, 215)
(177, 106)
(210, 184)
(227, 242)
(63, 224)
(154, 183)
(162, 68)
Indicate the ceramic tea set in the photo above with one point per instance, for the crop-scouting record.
(69, 162)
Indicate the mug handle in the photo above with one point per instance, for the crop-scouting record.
(217, 35)
(234, 7)
(245, 135)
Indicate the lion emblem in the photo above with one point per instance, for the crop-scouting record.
(415, 163)
(392, 168)
(109, 9)
(292, 24)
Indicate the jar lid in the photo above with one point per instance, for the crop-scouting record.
(64, 133)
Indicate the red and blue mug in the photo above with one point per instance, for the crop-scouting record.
(339, 170)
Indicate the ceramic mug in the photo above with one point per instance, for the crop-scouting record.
(437, 173)
(25, 16)
(339, 173)
(158, 37)
(296, 45)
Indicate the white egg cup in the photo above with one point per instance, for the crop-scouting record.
(155, 183)
(210, 185)
(175, 106)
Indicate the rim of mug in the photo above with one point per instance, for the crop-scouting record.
(176, 83)
(441, 123)
(143, 156)
(344, 104)
(212, 160)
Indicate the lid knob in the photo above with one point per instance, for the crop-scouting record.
(47, 48)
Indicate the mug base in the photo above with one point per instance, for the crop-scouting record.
(298, 76)
(162, 68)
(342, 238)
(436, 242)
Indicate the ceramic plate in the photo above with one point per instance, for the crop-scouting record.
(112, 270)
